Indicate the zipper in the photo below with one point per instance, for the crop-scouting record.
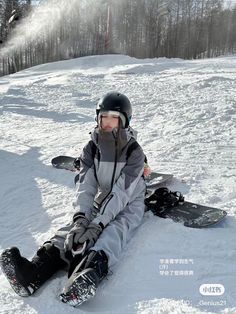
(108, 196)
(107, 201)
(114, 170)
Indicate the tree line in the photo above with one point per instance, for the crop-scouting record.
(188, 29)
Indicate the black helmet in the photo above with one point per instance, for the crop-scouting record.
(115, 101)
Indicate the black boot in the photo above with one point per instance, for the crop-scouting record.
(26, 277)
(84, 280)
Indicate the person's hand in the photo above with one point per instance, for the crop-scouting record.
(147, 170)
(91, 235)
(76, 232)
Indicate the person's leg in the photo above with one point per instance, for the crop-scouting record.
(26, 276)
(116, 235)
(58, 240)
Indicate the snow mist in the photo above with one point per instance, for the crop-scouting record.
(44, 20)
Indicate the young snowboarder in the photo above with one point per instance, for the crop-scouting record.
(109, 207)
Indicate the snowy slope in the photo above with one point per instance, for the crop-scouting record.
(185, 114)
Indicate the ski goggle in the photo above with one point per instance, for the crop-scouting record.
(112, 114)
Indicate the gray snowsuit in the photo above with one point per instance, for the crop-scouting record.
(111, 190)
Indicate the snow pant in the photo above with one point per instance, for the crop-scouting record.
(117, 233)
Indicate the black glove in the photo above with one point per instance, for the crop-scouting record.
(76, 232)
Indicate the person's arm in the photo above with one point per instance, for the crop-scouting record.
(123, 188)
(87, 185)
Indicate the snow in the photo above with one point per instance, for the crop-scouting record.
(185, 114)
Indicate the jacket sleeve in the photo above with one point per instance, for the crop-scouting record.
(122, 191)
(87, 186)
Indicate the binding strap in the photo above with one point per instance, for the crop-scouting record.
(163, 199)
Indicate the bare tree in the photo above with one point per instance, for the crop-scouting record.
(140, 28)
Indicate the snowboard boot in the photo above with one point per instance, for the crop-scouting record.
(82, 284)
(26, 277)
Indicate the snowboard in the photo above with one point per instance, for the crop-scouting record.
(64, 162)
(68, 163)
(193, 215)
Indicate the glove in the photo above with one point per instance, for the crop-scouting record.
(91, 234)
(76, 232)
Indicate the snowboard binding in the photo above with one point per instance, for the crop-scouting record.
(163, 199)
